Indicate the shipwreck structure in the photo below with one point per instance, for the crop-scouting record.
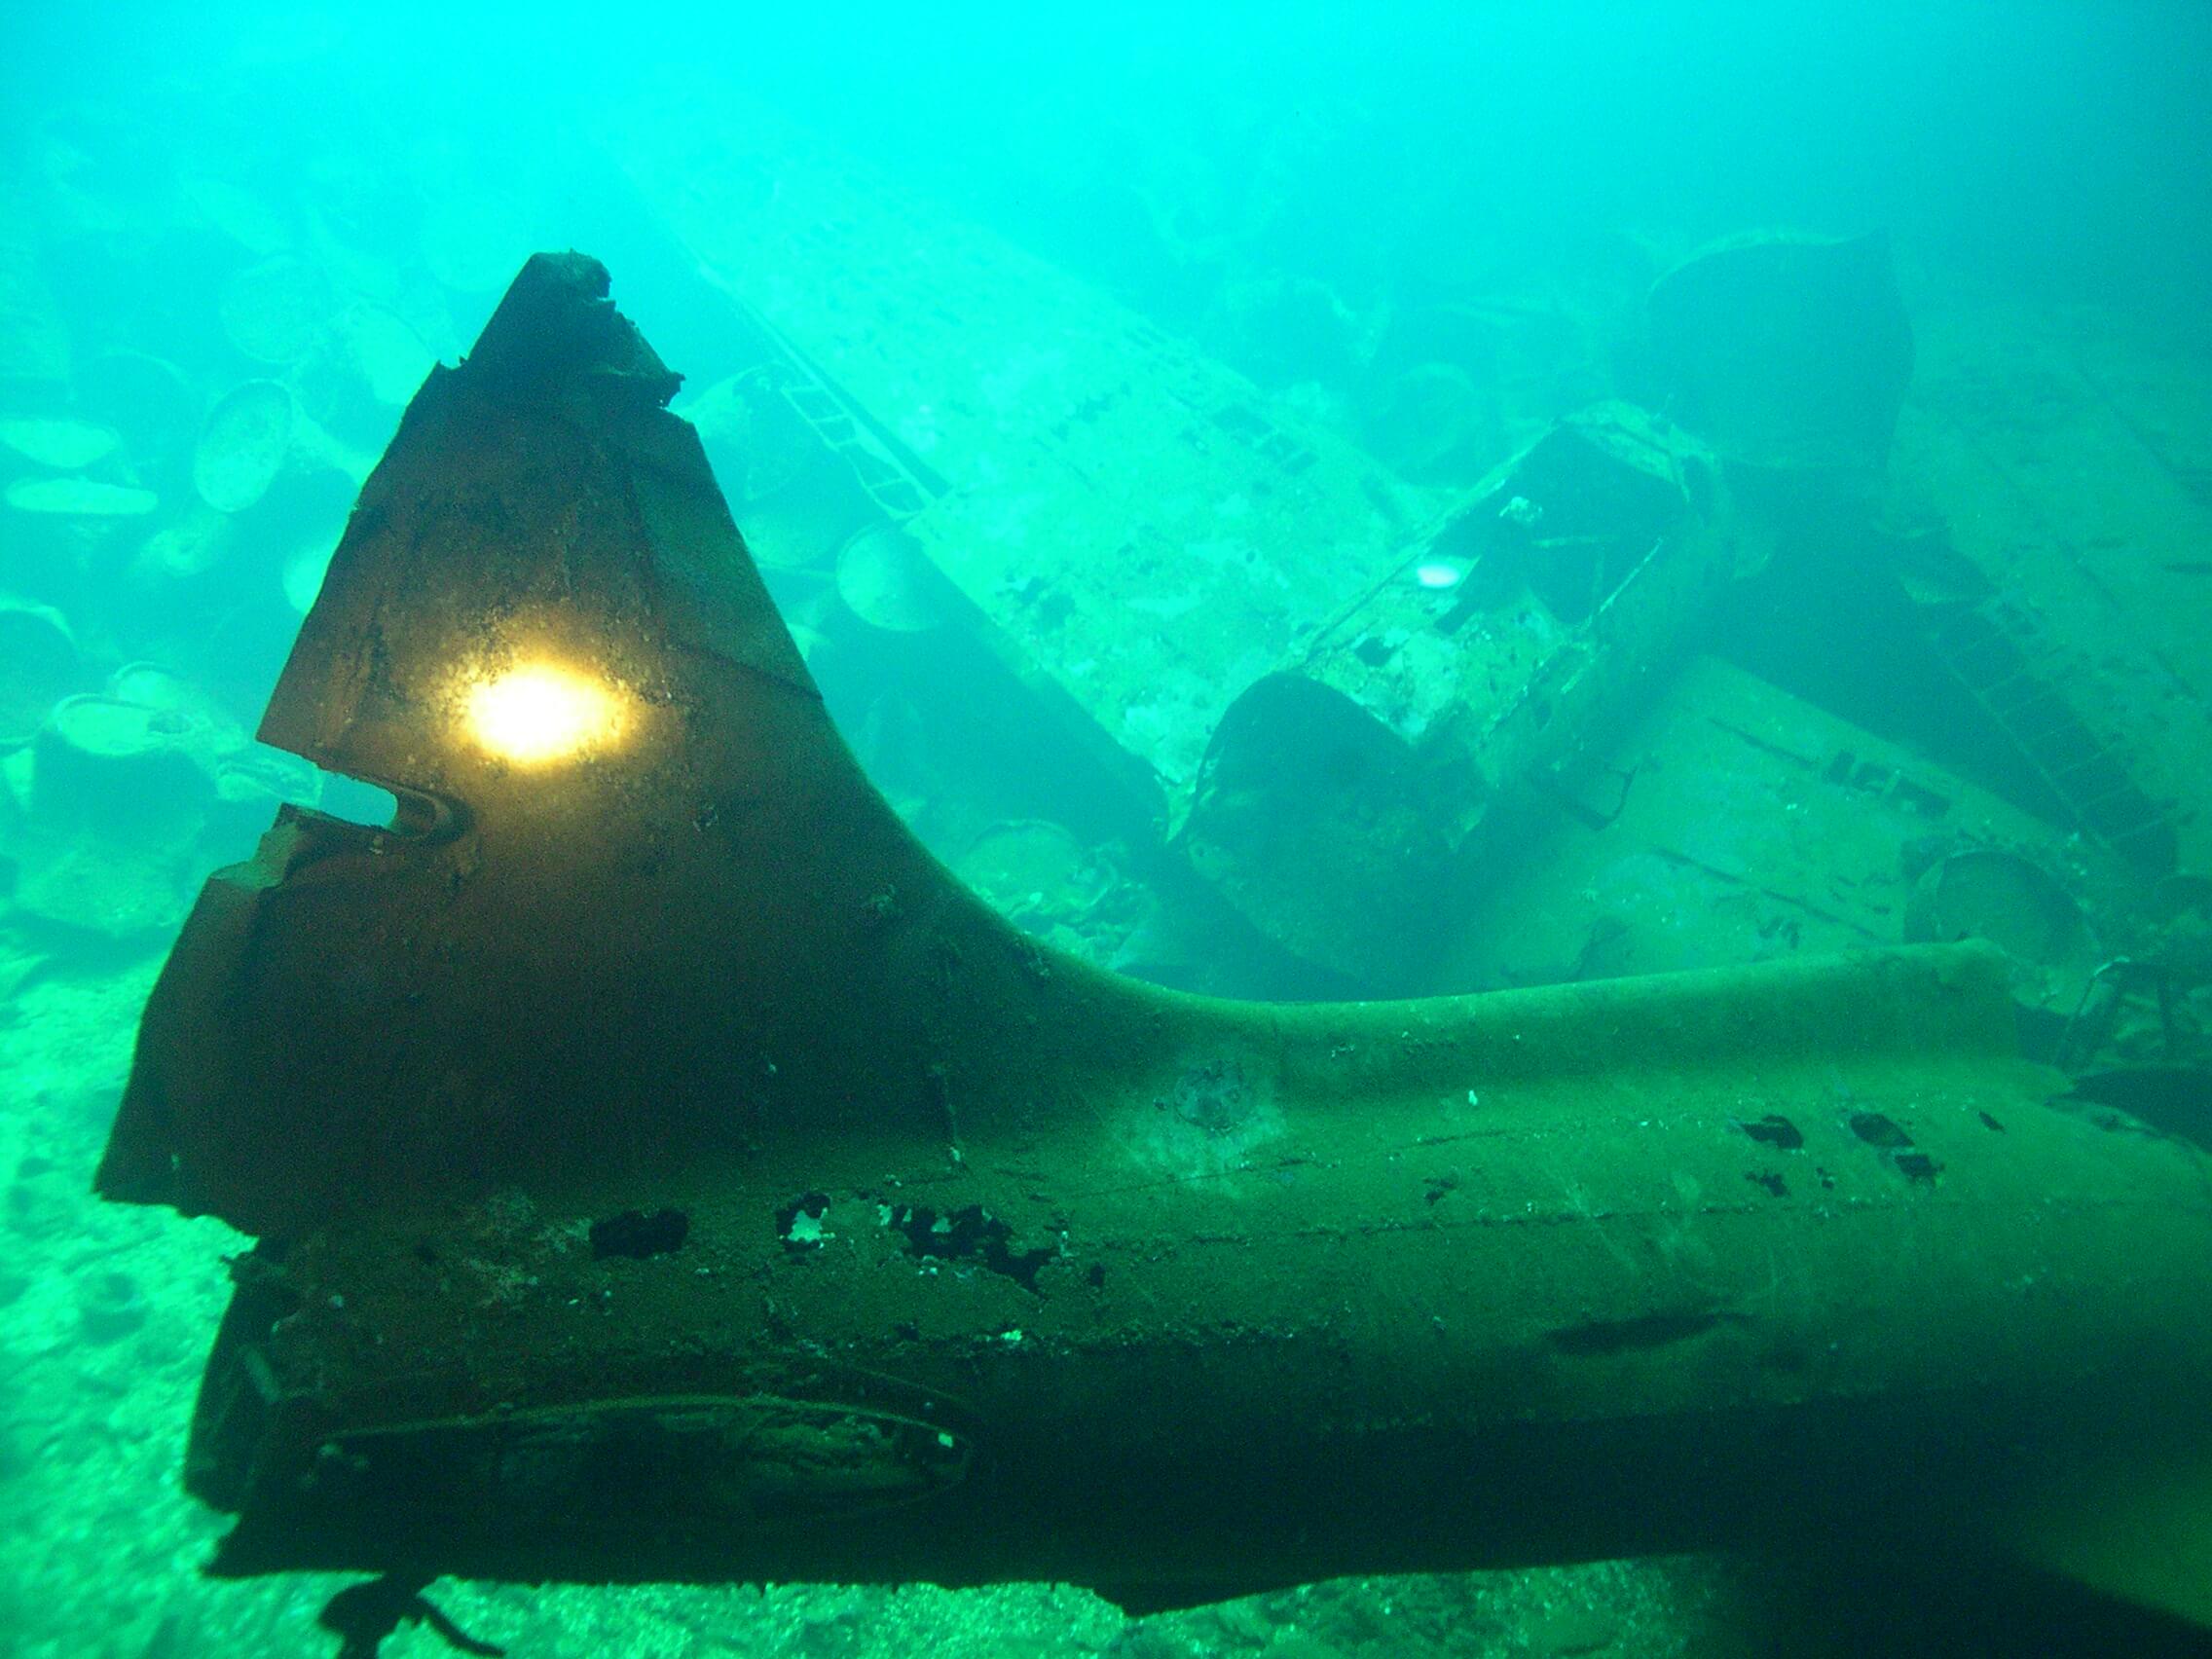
(661, 1167)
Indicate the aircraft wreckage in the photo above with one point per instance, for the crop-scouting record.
(662, 1168)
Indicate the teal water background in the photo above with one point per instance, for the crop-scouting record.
(1287, 190)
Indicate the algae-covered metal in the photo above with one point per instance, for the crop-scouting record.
(1134, 521)
(1730, 822)
(2082, 635)
(1347, 799)
(665, 1170)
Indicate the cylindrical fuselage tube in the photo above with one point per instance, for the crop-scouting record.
(1519, 1278)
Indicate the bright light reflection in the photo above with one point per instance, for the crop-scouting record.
(538, 713)
(1438, 575)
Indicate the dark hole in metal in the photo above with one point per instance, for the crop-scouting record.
(1877, 1131)
(637, 1235)
(1775, 1130)
(971, 1233)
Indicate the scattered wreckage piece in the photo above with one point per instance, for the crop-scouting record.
(828, 498)
(663, 1168)
(110, 811)
(1349, 801)
(1133, 521)
(2053, 446)
(1729, 822)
